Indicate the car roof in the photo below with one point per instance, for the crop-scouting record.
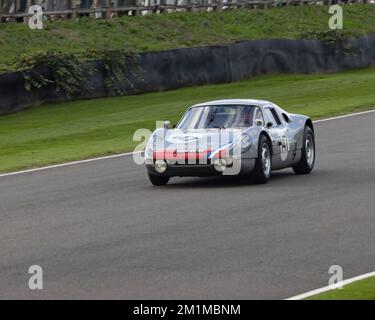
(234, 102)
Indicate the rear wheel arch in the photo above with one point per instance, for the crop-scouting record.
(309, 124)
(307, 161)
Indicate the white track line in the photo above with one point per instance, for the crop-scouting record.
(335, 286)
(131, 153)
(345, 116)
(67, 164)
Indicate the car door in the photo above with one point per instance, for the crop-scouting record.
(280, 142)
(291, 134)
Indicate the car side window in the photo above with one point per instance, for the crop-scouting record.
(272, 116)
(276, 116)
(258, 115)
(286, 118)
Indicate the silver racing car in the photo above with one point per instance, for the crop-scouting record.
(231, 137)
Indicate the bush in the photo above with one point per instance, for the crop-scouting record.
(341, 40)
(70, 72)
(121, 68)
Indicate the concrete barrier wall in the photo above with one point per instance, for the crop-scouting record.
(178, 68)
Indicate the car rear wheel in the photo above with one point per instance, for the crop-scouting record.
(263, 164)
(158, 180)
(307, 161)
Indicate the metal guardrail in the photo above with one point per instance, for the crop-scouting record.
(17, 10)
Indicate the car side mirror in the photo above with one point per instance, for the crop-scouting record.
(167, 125)
(259, 122)
(269, 125)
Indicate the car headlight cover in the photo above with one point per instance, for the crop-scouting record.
(220, 164)
(245, 142)
(160, 166)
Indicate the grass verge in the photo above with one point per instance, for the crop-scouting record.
(177, 30)
(360, 290)
(81, 129)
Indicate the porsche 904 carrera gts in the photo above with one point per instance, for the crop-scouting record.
(231, 137)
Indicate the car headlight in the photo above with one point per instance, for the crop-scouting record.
(245, 142)
(160, 166)
(220, 164)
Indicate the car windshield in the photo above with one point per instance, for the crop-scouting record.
(219, 116)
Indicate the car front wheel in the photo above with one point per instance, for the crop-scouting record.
(263, 164)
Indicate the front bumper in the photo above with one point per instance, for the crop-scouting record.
(201, 170)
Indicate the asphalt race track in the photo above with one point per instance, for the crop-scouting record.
(100, 230)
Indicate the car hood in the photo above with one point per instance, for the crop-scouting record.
(193, 140)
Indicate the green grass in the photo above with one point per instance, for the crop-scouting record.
(81, 129)
(360, 290)
(176, 30)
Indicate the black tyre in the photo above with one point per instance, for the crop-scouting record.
(158, 180)
(307, 161)
(263, 164)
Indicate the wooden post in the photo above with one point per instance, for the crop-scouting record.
(107, 9)
(26, 19)
(162, 6)
(65, 8)
(220, 5)
(137, 12)
(190, 6)
(95, 7)
(119, 13)
(74, 9)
